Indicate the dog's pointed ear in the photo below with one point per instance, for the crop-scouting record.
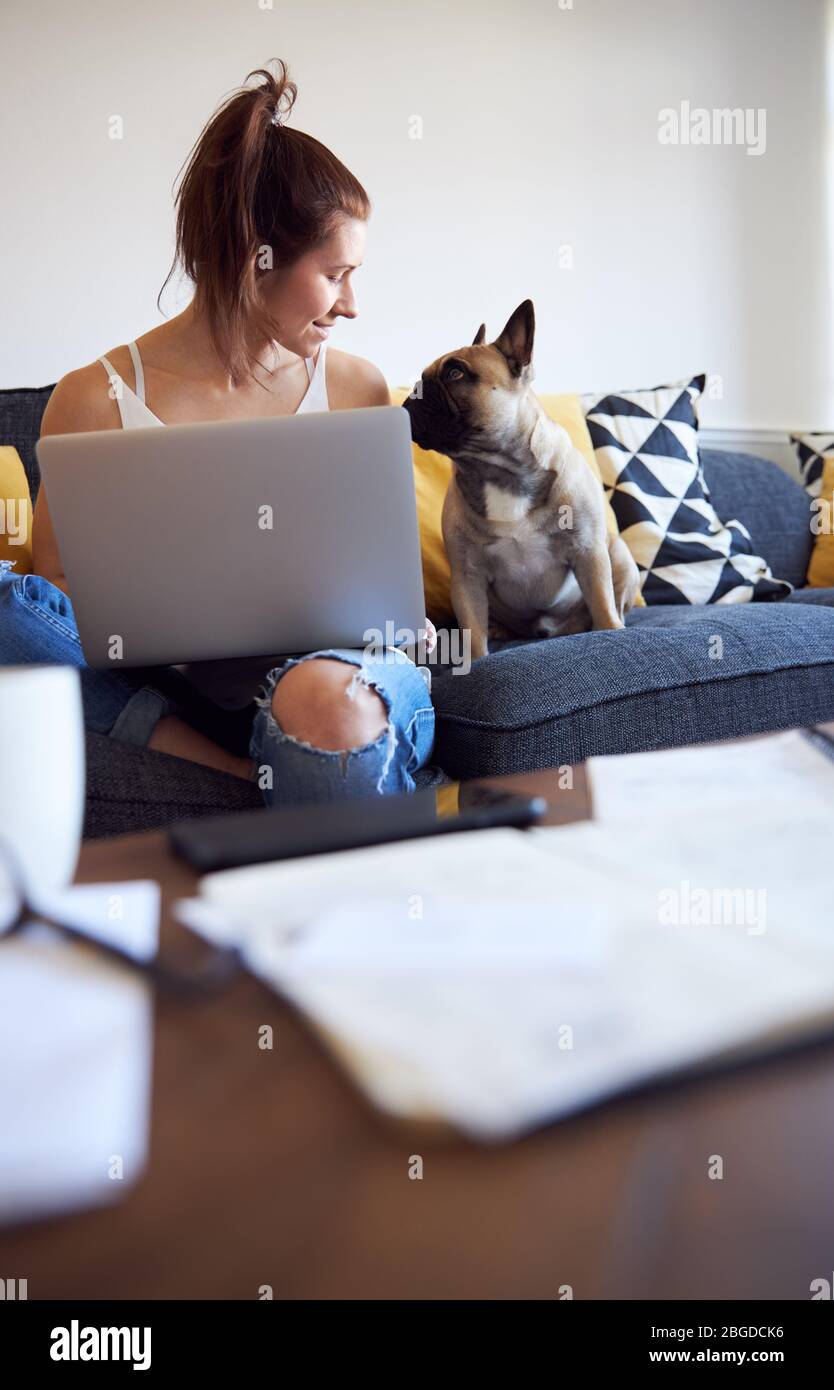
(515, 340)
(479, 336)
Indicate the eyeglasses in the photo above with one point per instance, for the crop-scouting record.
(214, 969)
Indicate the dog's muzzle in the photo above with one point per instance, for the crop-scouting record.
(435, 421)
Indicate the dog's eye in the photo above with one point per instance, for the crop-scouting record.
(453, 372)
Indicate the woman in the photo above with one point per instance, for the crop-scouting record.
(271, 229)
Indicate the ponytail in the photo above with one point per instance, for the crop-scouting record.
(255, 196)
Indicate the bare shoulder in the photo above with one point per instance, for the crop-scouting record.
(80, 401)
(353, 382)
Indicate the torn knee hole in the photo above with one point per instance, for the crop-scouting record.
(332, 717)
(361, 677)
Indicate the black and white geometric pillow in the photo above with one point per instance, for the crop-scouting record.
(811, 450)
(646, 444)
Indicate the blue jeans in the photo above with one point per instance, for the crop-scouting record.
(290, 770)
(37, 625)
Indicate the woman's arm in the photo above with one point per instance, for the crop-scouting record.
(79, 402)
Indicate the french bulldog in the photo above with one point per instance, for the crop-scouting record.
(524, 517)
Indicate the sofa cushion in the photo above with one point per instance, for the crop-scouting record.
(774, 507)
(131, 789)
(810, 595)
(663, 682)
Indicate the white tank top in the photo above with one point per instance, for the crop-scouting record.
(136, 415)
(230, 683)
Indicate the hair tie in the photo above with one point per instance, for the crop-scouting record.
(277, 118)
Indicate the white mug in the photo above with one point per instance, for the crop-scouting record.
(42, 774)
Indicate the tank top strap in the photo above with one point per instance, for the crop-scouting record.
(118, 387)
(139, 370)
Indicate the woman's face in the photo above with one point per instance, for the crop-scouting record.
(317, 289)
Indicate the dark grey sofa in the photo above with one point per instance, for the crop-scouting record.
(547, 703)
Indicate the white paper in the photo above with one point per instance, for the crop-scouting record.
(780, 768)
(237, 903)
(499, 1037)
(483, 934)
(75, 1054)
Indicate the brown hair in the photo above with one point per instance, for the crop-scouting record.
(251, 184)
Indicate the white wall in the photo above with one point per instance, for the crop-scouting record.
(540, 128)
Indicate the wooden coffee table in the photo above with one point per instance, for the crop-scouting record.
(270, 1168)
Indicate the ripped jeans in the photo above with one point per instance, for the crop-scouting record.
(301, 772)
(37, 625)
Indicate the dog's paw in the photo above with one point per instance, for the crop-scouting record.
(497, 632)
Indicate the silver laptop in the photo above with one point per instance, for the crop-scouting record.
(236, 538)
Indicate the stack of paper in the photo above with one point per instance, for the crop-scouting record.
(779, 770)
(500, 979)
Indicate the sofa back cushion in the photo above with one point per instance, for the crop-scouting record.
(21, 412)
(774, 508)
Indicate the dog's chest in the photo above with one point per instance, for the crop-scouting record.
(518, 550)
(527, 554)
(506, 508)
(511, 518)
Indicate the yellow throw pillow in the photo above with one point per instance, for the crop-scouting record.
(432, 475)
(821, 566)
(15, 511)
